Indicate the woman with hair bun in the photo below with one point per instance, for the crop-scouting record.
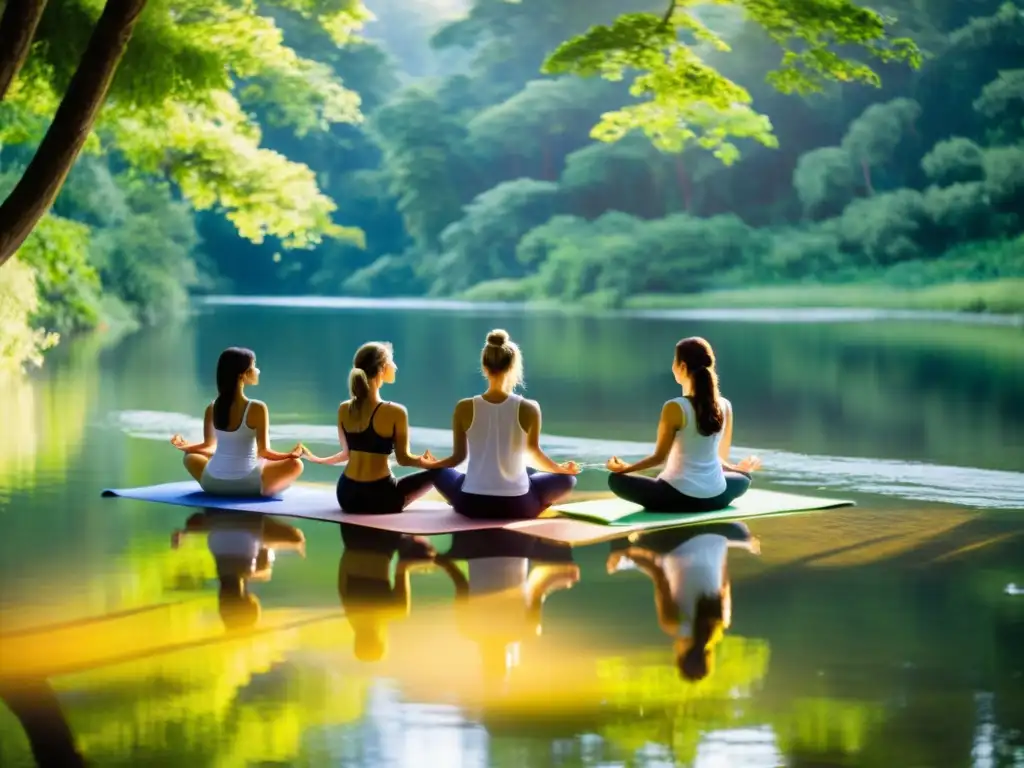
(369, 430)
(497, 431)
(694, 438)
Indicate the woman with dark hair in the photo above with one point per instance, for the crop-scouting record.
(244, 547)
(694, 438)
(692, 591)
(497, 431)
(235, 458)
(369, 431)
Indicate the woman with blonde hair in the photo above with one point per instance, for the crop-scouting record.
(497, 431)
(369, 430)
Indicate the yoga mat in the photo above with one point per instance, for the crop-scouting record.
(423, 517)
(754, 503)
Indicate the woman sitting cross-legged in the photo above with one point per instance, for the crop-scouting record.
(235, 457)
(369, 431)
(694, 438)
(497, 430)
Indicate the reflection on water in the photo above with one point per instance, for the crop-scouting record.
(469, 650)
(882, 635)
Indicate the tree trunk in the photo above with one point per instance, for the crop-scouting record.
(17, 28)
(77, 113)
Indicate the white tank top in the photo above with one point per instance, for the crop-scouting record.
(693, 467)
(497, 450)
(694, 570)
(235, 454)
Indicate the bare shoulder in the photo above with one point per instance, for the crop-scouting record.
(258, 413)
(529, 414)
(672, 412)
(464, 412)
(395, 408)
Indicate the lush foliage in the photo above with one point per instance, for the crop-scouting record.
(743, 142)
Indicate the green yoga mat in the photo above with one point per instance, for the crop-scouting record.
(754, 503)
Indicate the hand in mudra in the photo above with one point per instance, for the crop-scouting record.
(615, 464)
(178, 442)
(750, 464)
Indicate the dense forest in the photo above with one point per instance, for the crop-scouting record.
(455, 167)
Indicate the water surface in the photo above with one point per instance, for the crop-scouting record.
(881, 635)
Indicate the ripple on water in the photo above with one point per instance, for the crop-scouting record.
(918, 481)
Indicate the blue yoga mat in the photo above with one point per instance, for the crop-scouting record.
(424, 517)
(577, 522)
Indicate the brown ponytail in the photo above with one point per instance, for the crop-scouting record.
(698, 357)
(370, 359)
(696, 661)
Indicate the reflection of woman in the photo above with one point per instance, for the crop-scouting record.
(243, 547)
(35, 704)
(501, 602)
(497, 431)
(694, 438)
(235, 458)
(369, 596)
(369, 429)
(692, 593)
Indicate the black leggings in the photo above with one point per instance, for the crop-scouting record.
(658, 496)
(387, 496)
(546, 488)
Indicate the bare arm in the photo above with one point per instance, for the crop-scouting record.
(457, 576)
(260, 421)
(665, 607)
(462, 418)
(670, 422)
(341, 456)
(209, 442)
(530, 409)
(402, 455)
(746, 466)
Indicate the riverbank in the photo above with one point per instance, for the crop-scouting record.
(1002, 297)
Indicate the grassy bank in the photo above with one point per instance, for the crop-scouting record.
(1005, 296)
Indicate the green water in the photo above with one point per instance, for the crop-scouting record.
(877, 636)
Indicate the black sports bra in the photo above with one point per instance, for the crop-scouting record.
(367, 440)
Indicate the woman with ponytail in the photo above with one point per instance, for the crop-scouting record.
(235, 458)
(369, 430)
(497, 431)
(694, 438)
(692, 593)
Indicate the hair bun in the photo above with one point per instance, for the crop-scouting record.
(497, 338)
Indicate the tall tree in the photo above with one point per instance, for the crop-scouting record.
(42, 180)
(17, 28)
(173, 108)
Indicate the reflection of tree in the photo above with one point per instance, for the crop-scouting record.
(44, 418)
(35, 705)
(228, 703)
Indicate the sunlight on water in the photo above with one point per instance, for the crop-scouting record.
(904, 479)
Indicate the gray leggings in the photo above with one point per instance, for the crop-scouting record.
(658, 496)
